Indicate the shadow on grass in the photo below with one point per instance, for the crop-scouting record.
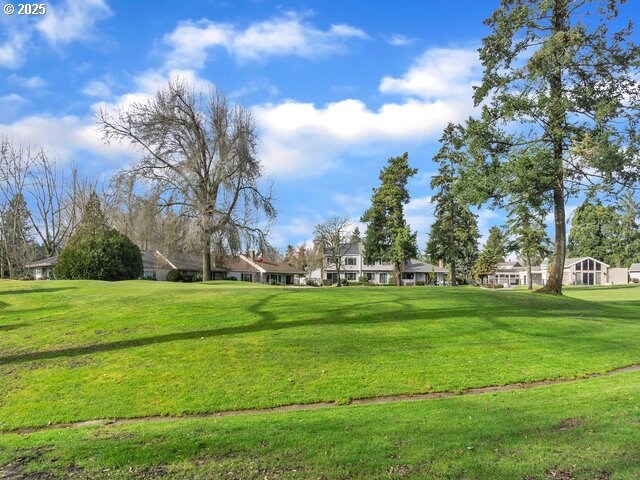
(492, 309)
(35, 290)
(14, 326)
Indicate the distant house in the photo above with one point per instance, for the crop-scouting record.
(634, 272)
(577, 271)
(380, 272)
(157, 265)
(42, 269)
(252, 268)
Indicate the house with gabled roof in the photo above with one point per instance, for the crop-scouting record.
(157, 265)
(379, 272)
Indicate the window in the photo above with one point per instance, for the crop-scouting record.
(351, 276)
(585, 265)
(578, 266)
(383, 278)
(350, 261)
(407, 276)
(590, 264)
(598, 267)
(246, 277)
(370, 276)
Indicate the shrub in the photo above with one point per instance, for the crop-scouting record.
(98, 252)
(175, 276)
(149, 277)
(344, 282)
(327, 283)
(363, 279)
(233, 279)
(106, 255)
(311, 282)
(196, 277)
(274, 282)
(636, 280)
(420, 283)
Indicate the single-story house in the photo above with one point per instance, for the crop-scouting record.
(253, 268)
(42, 269)
(634, 272)
(577, 271)
(380, 272)
(157, 265)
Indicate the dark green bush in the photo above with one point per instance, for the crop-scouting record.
(175, 276)
(104, 255)
(419, 283)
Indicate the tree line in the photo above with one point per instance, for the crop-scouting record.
(197, 184)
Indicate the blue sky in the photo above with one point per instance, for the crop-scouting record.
(336, 87)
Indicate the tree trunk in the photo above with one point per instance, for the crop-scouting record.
(398, 274)
(338, 270)
(206, 258)
(554, 282)
(557, 126)
(453, 280)
(529, 278)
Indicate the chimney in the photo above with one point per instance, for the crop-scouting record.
(252, 254)
(440, 263)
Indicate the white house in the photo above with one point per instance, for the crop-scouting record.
(634, 272)
(577, 271)
(380, 272)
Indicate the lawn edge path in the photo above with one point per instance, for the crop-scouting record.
(378, 400)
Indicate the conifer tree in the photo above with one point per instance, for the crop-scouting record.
(453, 237)
(557, 82)
(388, 236)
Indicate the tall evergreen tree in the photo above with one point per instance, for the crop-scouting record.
(496, 244)
(594, 230)
(627, 246)
(387, 236)
(565, 87)
(17, 247)
(527, 230)
(454, 234)
(494, 250)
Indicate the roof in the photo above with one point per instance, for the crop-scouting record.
(415, 266)
(236, 264)
(273, 267)
(509, 267)
(45, 262)
(152, 259)
(572, 261)
(188, 262)
(635, 267)
(270, 267)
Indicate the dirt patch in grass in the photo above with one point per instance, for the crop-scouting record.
(570, 423)
(559, 474)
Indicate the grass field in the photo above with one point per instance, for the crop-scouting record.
(72, 351)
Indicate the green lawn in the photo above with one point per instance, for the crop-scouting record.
(73, 351)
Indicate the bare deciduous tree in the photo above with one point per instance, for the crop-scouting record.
(202, 153)
(334, 238)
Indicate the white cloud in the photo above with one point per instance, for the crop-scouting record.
(438, 73)
(27, 82)
(97, 88)
(399, 40)
(64, 136)
(302, 139)
(72, 20)
(285, 35)
(12, 50)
